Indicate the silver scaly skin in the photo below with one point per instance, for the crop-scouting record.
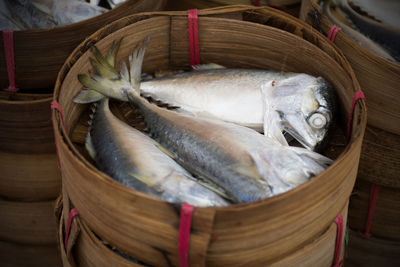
(235, 95)
(249, 166)
(135, 160)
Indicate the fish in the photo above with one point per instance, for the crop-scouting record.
(246, 164)
(67, 12)
(137, 161)
(26, 15)
(235, 95)
(337, 16)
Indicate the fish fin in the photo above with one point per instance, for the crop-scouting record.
(318, 158)
(209, 66)
(271, 117)
(89, 146)
(164, 150)
(87, 96)
(269, 172)
(100, 69)
(112, 52)
(147, 180)
(124, 71)
(136, 62)
(249, 171)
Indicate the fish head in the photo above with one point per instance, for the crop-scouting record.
(303, 107)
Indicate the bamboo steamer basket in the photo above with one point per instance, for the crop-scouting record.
(27, 154)
(26, 135)
(386, 218)
(28, 222)
(39, 54)
(289, 6)
(147, 228)
(85, 249)
(379, 164)
(379, 78)
(371, 252)
(13, 254)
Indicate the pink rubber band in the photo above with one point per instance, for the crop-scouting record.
(339, 238)
(184, 234)
(193, 37)
(57, 106)
(333, 32)
(73, 212)
(373, 196)
(8, 40)
(358, 95)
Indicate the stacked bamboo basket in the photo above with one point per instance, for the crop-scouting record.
(375, 205)
(30, 180)
(293, 229)
(289, 6)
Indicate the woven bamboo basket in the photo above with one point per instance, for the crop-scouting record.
(39, 54)
(379, 78)
(289, 6)
(27, 154)
(28, 222)
(88, 250)
(379, 164)
(371, 252)
(147, 228)
(386, 219)
(13, 254)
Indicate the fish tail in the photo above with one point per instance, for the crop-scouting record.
(136, 62)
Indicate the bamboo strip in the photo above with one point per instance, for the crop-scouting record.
(386, 217)
(13, 254)
(29, 223)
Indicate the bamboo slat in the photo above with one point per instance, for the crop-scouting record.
(386, 217)
(88, 250)
(371, 251)
(13, 255)
(39, 54)
(147, 228)
(379, 78)
(28, 223)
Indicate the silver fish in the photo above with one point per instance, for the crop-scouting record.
(246, 164)
(67, 12)
(235, 95)
(137, 161)
(25, 15)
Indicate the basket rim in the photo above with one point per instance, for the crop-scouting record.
(356, 136)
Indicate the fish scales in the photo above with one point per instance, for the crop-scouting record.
(198, 146)
(134, 160)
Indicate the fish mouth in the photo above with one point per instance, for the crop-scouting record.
(298, 137)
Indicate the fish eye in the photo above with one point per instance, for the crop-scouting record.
(317, 120)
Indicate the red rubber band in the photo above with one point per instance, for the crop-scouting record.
(8, 40)
(358, 95)
(165, 3)
(73, 212)
(373, 196)
(184, 234)
(339, 238)
(256, 2)
(193, 37)
(333, 32)
(57, 106)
